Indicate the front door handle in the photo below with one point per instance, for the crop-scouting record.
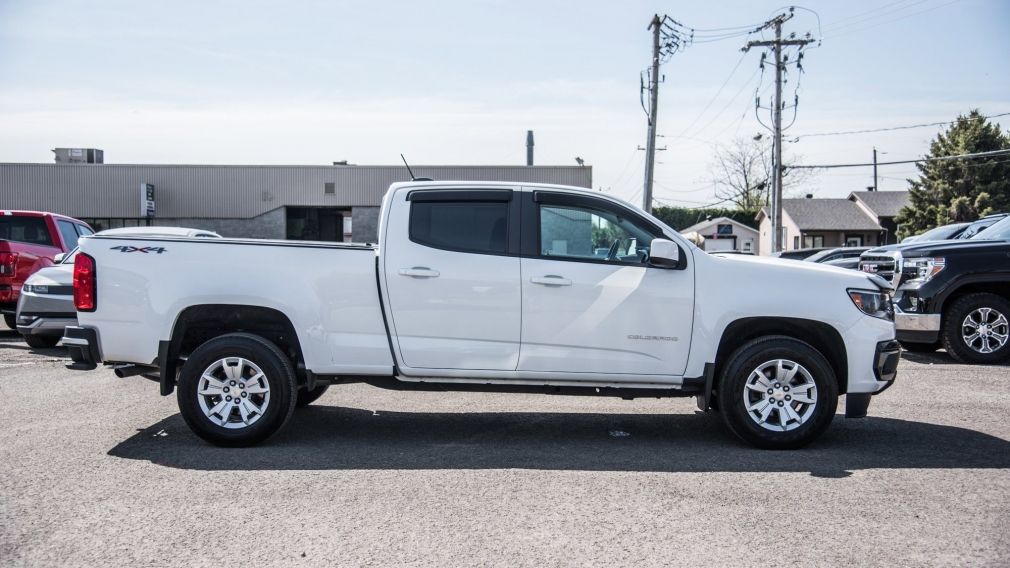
(419, 272)
(551, 280)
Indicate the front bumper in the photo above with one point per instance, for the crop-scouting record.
(43, 324)
(916, 328)
(82, 342)
(885, 370)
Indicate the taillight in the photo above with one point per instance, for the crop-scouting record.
(85, 284)
(8, 262)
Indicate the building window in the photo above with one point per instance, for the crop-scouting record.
(315, 223)
(813, 241)
(796, 242)
(853, 240)
(329, 188)
(724, 229)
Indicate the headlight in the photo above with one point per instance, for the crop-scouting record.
(876, 304)
(921, 270)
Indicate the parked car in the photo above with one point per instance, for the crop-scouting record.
(838, 253)
(941, 233)
(881, 260)
(798, 254)
(746, 252)
(851, 263)
(46, 304)
(484, 286)
(953, 293)
(29, 240)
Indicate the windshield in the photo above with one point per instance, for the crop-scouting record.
(976, 228)
(998, 232)
(939, 233)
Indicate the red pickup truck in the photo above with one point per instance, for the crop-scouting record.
(29, 240)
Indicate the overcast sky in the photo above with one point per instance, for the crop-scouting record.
(302, 82)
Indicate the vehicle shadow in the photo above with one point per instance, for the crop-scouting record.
(11, 339)
(941, 357)
(337, 438)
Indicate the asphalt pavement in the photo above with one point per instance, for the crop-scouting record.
(101, 471)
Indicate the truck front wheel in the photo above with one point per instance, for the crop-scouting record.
(777, 392)
(976, 330)
(236, 390)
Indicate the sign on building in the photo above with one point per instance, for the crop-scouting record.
(147, 200)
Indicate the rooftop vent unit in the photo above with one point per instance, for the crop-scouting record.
(79, 156)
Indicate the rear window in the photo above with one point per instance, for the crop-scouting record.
(480, 227)
(25, 230)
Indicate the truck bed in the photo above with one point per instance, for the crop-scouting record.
(327, 290)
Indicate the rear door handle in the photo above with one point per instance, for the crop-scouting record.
(551, 280)
(419, 272)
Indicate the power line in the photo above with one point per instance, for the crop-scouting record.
(890, 128)
(892, 20)
(933, 159)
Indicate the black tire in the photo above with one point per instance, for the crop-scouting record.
(920, 347)
(306, 397)
(42, 341)
(11, 321)
(279, 376)
(953, 319)
(748, 358)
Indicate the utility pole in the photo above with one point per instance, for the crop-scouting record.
(666, 40)
(650, 142)
(776, 46)
(874, 168)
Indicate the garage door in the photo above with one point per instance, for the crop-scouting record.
(718, 244)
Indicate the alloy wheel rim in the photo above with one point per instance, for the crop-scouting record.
(780, 395)
(233, 393)
(985, 330)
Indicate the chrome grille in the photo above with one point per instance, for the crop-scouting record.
(886, 266)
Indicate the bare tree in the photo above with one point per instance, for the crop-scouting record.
(742, 173)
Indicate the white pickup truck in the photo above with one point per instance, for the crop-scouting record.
(485, 286)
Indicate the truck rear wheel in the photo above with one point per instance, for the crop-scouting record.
(777, 392)
(236, 390)
(976, 329)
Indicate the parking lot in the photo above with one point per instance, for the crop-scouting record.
(96, 470)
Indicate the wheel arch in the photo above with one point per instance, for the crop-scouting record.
(998, 284)
(200, 323)
(821, 336)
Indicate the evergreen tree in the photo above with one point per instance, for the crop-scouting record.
(959, 190)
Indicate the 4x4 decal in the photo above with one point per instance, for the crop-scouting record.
(145, 250)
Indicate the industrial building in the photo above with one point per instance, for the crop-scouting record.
(326, 203)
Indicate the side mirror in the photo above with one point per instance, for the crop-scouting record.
(664, 253)
(58, 259)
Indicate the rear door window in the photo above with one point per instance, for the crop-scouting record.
(68, 232)
(475, 226)
(31, 230)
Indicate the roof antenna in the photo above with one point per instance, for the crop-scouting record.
(411, 172)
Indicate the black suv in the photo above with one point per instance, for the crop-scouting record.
(953, 293)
